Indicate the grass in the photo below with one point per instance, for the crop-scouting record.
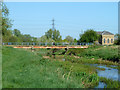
(25, 69)
(104, 52)
(110, 83)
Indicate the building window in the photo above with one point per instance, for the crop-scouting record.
(104, 40)
(111, 40)
(108, 41)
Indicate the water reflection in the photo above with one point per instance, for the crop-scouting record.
(101, 85)
(109, 73)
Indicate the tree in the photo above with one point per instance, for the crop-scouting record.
(55, 35)
(117, 39)
(64, 40)
(75, 40)
(50, 40)
(17, 33)
(49, 34)
(34, 39)
(89, 36)
(7, 35)
(13, 39)
(6, 22)
(42, 39)
(69, 39)
(26, 38)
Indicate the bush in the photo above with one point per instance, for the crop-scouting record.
(74, 51)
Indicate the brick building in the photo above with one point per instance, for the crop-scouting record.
(106, 38)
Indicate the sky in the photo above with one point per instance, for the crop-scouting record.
(71, 18)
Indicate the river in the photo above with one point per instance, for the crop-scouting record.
(109, 73)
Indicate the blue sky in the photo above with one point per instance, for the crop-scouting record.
(70, 18)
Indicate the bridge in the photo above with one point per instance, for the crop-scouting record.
(49, 46)
(45, 45)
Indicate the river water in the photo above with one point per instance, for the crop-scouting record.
(109, 73)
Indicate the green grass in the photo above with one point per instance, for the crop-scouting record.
(109, 53)
(87, 60)
(110, 83)
(25, 69)
(104, 52)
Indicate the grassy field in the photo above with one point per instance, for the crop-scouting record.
(80, 57)
(52, 68)
(26, 69)
(109, 53)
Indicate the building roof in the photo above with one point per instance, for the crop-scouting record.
(105, 33)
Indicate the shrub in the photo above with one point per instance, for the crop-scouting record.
(74, 51)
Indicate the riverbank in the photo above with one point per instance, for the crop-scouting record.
(25, 69)
(44, 68)
(72, 56)
(108, 73)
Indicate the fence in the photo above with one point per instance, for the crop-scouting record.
(44, 44)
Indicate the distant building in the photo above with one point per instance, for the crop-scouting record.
(106, 38)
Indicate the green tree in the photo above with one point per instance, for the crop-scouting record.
(56, 36)
(117, 39)
(69, 39)
(50, 40)
(34, 39)
(42, 39)
(75, 40)
(13, 39)
(6, 22)
(26, 38)
(17, 33)
(64, 40)
(49, 33)
(89, 36)
(7, 35)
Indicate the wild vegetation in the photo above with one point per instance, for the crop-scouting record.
(72, 55)
(106, 53)
(52, 68)
(23, 69)
(96, 53)
(110, 83)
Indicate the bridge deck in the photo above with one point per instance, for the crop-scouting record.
(50, 46)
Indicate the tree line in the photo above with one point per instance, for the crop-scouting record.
(15, 35)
